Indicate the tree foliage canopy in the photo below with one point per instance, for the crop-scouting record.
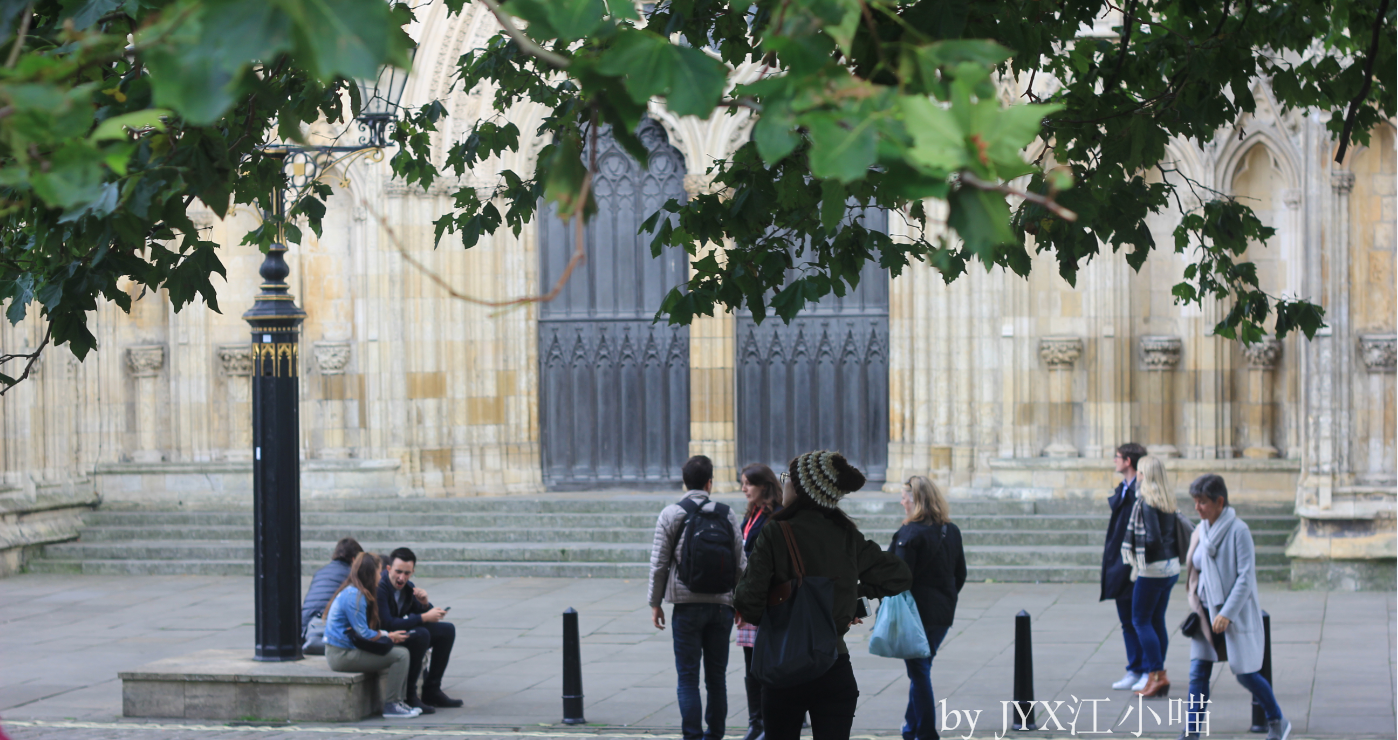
(116, 115)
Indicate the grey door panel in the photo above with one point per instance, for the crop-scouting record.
(613, 386)
(820, 382)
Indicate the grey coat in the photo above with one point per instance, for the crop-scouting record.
(1231, 572)
(665, 556)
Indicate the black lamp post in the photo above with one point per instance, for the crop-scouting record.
(276, 426)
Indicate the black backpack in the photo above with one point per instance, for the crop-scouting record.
(706, 564)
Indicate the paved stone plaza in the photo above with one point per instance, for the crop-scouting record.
(66, 637)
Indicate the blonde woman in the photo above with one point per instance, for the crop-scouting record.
(931, 546)
(1150, 549)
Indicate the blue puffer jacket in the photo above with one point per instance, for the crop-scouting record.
(323, 585)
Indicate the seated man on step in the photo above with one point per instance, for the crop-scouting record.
(403, 606)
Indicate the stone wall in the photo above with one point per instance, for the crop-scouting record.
(412, 385)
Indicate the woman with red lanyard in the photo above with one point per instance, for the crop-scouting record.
(764, 496)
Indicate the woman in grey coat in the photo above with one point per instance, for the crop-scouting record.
(1223, 592)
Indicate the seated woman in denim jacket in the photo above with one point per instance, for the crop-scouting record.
(354, 607)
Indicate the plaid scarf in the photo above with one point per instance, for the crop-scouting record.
(1133, 545)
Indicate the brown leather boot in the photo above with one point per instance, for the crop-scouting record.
(1156, 685)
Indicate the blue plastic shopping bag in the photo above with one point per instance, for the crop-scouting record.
(898, 631)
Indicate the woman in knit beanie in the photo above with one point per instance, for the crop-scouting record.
(832, 546)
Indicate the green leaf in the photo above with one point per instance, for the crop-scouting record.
(84, 13)
(345, 37)
(833, 198)
(116, 126)
(622, 9)
(645, 61)
(576, 19)
(939, 142)
(773, 132)
(839, 149)
(698, 83)
(982, 219)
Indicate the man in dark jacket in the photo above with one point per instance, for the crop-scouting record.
(327, 580)
(403, 606)
(1116, 574)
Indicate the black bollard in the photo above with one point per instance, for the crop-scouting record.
(572, 670)
(1024, 674)
(1259, 715)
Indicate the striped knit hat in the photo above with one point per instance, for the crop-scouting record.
(825, 476)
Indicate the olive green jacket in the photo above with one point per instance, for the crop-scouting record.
(857, 565)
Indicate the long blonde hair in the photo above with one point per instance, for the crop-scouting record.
(1155, 485)
(929, 505)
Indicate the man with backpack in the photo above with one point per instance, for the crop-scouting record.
(695, 563)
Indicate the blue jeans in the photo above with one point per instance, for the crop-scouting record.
(1128, 634)
(701, 633)
(1149, 597)
(920, 721)
(1199, 673)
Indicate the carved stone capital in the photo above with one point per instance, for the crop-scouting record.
(1378, 352)
(1161, 353)
(1291, 197)
(1342, 181)
(1059, 353)
(235, 359)
(145, 360)
(1262, 355)
(331, 357)
(698, 184)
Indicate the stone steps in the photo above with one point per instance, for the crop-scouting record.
(573, 536)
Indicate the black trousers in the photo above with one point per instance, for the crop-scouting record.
(830, 700)
(439, 636)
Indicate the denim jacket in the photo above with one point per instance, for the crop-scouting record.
(349, 610)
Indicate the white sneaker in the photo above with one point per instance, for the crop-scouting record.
(399, 709)
(1141, 684)
(1127, 681)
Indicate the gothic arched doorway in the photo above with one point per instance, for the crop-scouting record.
(613, 386)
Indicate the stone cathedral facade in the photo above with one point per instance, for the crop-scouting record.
(998, 386)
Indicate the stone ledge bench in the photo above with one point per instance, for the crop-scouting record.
(229, 684)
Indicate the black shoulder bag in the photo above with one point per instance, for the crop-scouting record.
(797, 641)
(377, 646)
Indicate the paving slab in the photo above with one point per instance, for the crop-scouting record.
(1333, 658)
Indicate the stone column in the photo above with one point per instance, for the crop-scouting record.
(235, 362)
(145, 363)
(1257, 398)
(1378, 353)
(1059, 354)
(712, 427)
(1159, 358)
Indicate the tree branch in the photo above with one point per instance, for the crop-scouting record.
(1127, 23)
(969, 179)
(28, 366)
(18, 47)
(529, 47)
(1364, 89)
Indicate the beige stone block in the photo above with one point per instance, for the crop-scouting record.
(1071, 304)
(488, 410)
(436, 459)
(427, 385)
(505, 382)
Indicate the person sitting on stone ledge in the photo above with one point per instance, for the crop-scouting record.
(355, 607)
(324, 584)
(403, 606)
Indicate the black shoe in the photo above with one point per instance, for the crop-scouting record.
(426, 708)
(755, 732)
(437, 699)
